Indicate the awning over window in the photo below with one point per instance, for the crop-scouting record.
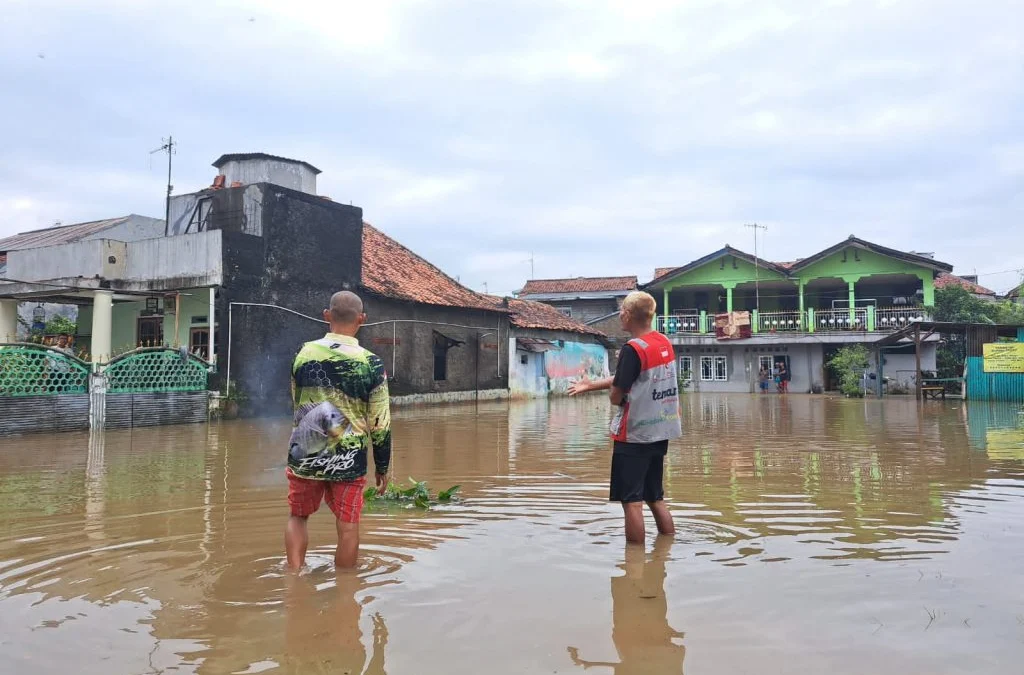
(535, 344)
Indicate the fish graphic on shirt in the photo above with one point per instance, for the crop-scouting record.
(317, 426)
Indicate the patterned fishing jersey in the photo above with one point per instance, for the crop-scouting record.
(333, 443)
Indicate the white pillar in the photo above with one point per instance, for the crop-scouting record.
(212, 355)
(102, 325)
(8, 320)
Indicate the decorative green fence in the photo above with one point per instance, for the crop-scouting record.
(156, 369)
(35, 370)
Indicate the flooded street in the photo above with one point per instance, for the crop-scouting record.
(814, 535)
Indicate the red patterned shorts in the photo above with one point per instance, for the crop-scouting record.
(344, 498)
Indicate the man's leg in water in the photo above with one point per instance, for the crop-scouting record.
(296, 541)
(304, 497)
(348, 545)
(654, 494)
(346, 501)
(662, 517)
(634, 512)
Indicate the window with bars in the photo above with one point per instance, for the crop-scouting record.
(686, 368)
(714, 369)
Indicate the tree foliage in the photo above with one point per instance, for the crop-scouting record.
(59, 325)
(849, 364)
(955, 303)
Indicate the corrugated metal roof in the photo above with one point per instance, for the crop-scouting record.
(64, 234)
(243, 156)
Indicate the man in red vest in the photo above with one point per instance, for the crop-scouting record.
(645, 391)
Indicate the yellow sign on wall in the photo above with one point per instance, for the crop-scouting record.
(1004, 357)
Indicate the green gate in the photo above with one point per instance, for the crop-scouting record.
(36, 370)
(156, 369)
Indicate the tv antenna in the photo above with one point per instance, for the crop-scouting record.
(531, 261)
(757, 286)
(168, 147)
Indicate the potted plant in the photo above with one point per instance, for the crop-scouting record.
(231, 401)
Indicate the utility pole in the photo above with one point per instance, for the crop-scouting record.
(168, 147)
(757, 286)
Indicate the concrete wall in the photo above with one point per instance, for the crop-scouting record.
(286, 174)
(310, 248)
(481, 362)
(900, 368)
(98, 257)
(135, 228)
(185, 260)
(743, 366)
(552, 371)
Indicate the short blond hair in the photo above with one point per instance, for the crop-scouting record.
(640, 306)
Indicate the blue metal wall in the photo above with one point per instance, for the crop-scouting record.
(982, 386)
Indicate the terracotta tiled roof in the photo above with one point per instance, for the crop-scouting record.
(945, 280)
(530, 314)
(392, 270)
(662, 271)
(579, 285)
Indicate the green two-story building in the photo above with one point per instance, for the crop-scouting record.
(799, 312)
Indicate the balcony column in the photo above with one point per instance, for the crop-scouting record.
(853, 299)
(102, 325)
(664, 307)
(8, 320)
(728, 298)
(928, 287)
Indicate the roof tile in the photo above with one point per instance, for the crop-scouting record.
(393, 271)
(946, 280)
(537, 315)
(580, 285)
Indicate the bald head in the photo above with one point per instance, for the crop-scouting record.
(345, 314)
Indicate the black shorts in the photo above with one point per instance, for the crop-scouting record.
(637, 472)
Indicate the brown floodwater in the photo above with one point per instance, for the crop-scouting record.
(815, 535)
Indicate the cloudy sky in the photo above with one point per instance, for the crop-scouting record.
(602, 137)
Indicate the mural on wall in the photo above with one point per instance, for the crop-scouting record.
(573, 361)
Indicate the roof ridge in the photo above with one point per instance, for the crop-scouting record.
(62, 226)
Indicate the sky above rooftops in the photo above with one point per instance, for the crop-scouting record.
(603, 138)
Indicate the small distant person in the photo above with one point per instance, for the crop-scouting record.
(645, 389)
(783, 377)
(342, 409)
(763, 378)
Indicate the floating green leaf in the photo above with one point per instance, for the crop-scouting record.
(416, 494)
(446, 495)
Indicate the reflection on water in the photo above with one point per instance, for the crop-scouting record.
(643, 639)
(814, 535)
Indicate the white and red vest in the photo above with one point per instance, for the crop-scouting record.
(651, 410)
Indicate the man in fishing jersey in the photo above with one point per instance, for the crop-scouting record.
(342, 410)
